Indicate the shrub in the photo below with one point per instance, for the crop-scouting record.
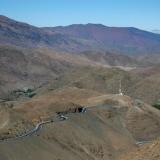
(30, 95)
(157, 104)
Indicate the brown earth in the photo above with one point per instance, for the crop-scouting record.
(149, 151)
(101, 133)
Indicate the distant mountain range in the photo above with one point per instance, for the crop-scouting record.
(79, 38)
(157, 31)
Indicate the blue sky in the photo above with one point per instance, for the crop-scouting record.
(144, 14)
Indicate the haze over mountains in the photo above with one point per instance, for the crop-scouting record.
(156, 31)
(78, 38)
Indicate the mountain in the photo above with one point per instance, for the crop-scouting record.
(111, 59)
(27, 36)
(126, 40)
(59, 92)
(32, 56)
(36, 68)
(157, 31)
(79, 38)
(32, 68)
(24, 35)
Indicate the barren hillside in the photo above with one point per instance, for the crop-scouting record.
(104, 131)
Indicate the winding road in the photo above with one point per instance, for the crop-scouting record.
(58, 119)
(32, 131)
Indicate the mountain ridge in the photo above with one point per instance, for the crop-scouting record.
(79, 38)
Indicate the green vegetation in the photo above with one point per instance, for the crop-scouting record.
(15, 94)
(157, 104)
(30, 94)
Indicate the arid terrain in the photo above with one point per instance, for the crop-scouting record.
(60, 92)
(147, 152)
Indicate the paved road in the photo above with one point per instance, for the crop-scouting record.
(58, 119)
(40, 125)
(140, 143)
(32, 131)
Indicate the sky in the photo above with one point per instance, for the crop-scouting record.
(143, 14)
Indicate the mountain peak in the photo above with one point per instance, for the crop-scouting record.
(4, 18)
(77, 38)
(95, 24)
